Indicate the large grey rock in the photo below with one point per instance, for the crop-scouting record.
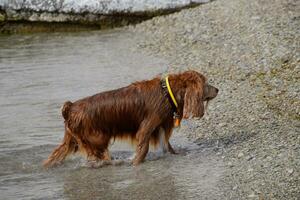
(55, 10)
(96, 14)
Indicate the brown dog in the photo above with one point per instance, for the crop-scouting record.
(143, 112)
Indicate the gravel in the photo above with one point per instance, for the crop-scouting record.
(250, 51)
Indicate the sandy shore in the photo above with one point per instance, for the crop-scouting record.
(250, 51)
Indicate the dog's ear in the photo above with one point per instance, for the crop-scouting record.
(193, 98)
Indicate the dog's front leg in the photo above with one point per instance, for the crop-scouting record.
(170, 148)
(141, 151)
(143, 135)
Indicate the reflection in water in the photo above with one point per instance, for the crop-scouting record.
(170, 177)
(124, 183)
(38, 73)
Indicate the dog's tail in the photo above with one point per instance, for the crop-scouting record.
(65, 110)
(69, 145)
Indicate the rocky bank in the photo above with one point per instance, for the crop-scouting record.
(70, 15)
(250, 51)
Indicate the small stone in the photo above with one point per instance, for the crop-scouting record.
(222, 124)
(248, 158)
(230, 164)
(290, 171)
(240, 155)
(252, 195)
(269, 158)
(2, 18)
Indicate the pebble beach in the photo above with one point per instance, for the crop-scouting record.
(250, 51)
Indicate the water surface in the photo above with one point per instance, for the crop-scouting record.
(38, 72)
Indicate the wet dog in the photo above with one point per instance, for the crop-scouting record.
(144, 112)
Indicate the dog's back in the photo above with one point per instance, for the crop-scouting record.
(114, 112)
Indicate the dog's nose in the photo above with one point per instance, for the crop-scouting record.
(217, 90)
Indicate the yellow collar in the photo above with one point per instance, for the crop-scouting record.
(170, 92)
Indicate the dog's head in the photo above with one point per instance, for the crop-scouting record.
(197, 91)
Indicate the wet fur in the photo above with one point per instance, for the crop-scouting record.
(139, 112)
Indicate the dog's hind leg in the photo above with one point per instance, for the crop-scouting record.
(96, 145)
(106, 155)
(97, 150)
(68, 146)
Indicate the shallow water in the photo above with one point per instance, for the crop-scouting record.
(39, 72)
